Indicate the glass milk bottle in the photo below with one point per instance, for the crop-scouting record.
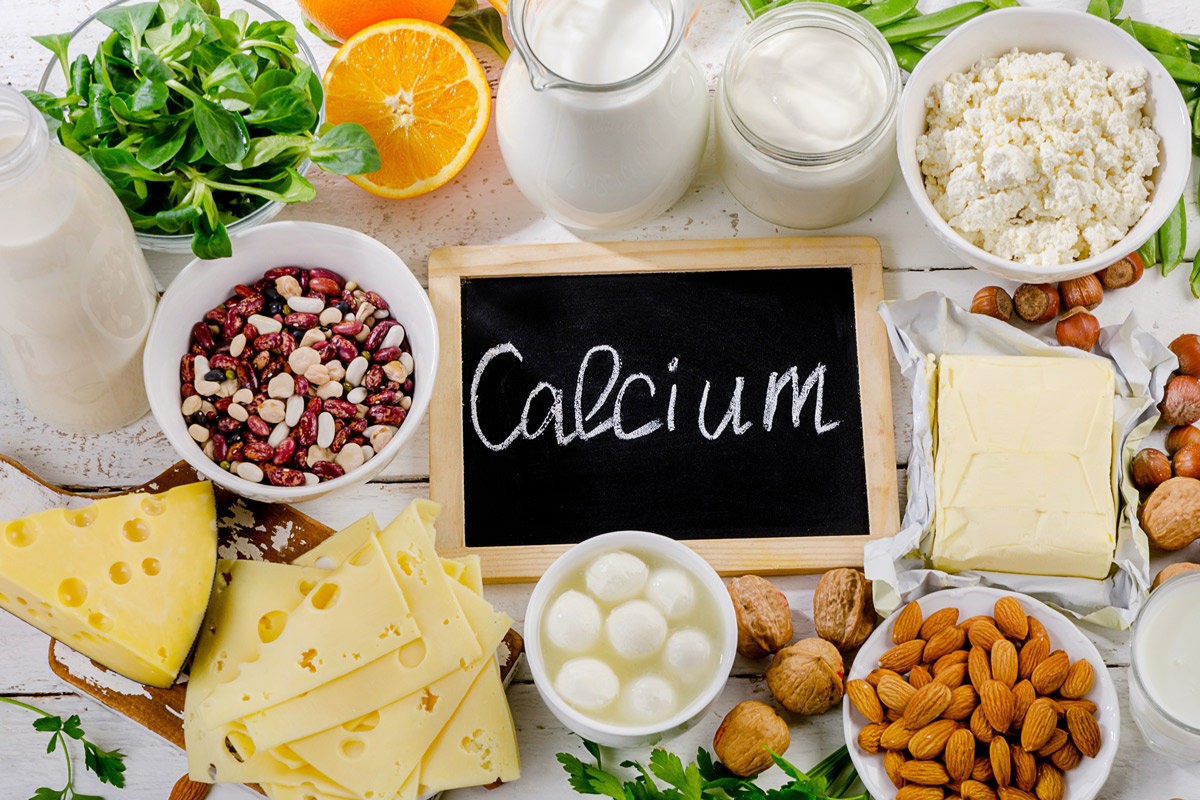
(602, 112)
(77, 295)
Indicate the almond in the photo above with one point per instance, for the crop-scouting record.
(977, 790)
(952, 676)
(1011, 618)
(998, 705)
(1033, 653)
(1040, 723)
(938, 620)
(1050, 674)
(963, 701)
(1023, 697)
(864, 698)
(895, 692)
(959, 754)
(1057, 739)
(930, 741)
(877, 674)
(1086, 705)
(979, 725)
(1079, 680)
(912, 791)
(1037, 630)
(998, 754)
(1004, 662)
(949, 660)
(983, 769)
(919, 676)
(926, 705)
(892, 715)
(1066, 758)
(1085, 731)
(984, 633)
(1050, 785)
(926, 773)
(1013, 793)
(895, 737)
(904, 657)
(969, 621)
(908, 623)
(1024, 767)
(979, 667)
(943, 643)
(869, 737)
(893, 760)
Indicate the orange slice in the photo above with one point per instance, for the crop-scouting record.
(500, 5)
(419, 91)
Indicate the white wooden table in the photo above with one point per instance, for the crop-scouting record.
(484, 207)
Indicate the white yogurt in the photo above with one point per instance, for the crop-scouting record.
(598, 41)
(1164, 695)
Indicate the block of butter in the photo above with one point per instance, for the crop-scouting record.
(1023, 466)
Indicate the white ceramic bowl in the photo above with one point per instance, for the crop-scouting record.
(628, 736)
(1085, 781)
(204, 284)
(1078, 35)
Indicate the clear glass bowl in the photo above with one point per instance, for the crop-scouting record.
(86, 38)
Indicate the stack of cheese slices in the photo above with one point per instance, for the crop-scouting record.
(366, 670)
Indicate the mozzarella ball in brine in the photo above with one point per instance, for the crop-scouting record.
(636, 629)
(650, 697)
(616, 576)
(688, 652)
(587, 683)
(671, 590)
(573, 622)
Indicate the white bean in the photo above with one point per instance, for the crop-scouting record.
(407, 360)
(394, 337)
(272, 411)
(237, 345)
(302, 358)
(395, 371)
(250, 472)
(239, 412)
(243, 396)
(328, 390)
(295, 407)
(311, 479)
(350, 458)
(207, 388)
(368, 452)
(311, 337)
(330, 316)
(280, 433)
(355, 395)
(198, 432)
(325, 429)
(265, 325)
(192, 404)
(282, 386)
(306, 305)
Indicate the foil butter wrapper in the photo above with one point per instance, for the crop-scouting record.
(930, 326)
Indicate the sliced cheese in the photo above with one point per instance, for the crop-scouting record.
(447, 642)
(472, 574)
(355, 615)
(124, 581)
(304, 791)
(336, 549)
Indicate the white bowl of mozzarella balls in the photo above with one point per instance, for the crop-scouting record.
(630, 637)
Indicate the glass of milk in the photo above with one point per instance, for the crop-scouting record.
(78, 296)
(1164, 694)
(806, 116)
(602, 112)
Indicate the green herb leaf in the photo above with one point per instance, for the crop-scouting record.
(109, 765)
(72, 727)
(669, 768)
(210, 241)
(462, 8)
(129, 21)
(161, 147)
(57, 43)
(311, 27)
(264, 149)
(223, 132)
(46, 793)
(485, 27)
(117, 164)
(48, 724)
(346, 149)
(284, 109)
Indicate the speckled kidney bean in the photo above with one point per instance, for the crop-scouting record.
(187, 369)
(216, 316)
(261, 359)
(233, 325)
(306, 429)
(346, 351)
(222, 404)
(325, 286)
(251, 305)
(373, 379)
(186, 390)
(340, 438)
(314, 405)
(279, 272)
(284, 452)
(408, 386)
(235, 451)
(327, 470)
(301, 319)
(351, 328)
(377, 333)
(272, 369)
(386, 415)
(246, 376)
(203, 336)
(384, 398)
(284, 476)
(374, 299)
(302, 385)
(358, 425)
(223, 361)
(386, 354)
(242, 290)
(228, 424)
(325, 350)
(300, 459)
(267, 341)
(340, 408)
(321, 272)
(258, 426)
(258, 451)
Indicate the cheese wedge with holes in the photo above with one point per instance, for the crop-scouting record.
(1023, 470)
(124, 581)
(356, 615)
(447, 643)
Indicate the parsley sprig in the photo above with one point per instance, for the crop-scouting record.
(108, 765)
(706, 779)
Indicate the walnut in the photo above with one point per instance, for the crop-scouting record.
(806, 677)
(745, 735)
(1170, 571)
(764, 618)
(843, 609)
(1171, 515)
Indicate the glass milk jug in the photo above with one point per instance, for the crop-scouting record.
(77, 295)
(602, 111)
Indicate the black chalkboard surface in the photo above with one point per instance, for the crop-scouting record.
(709, 405)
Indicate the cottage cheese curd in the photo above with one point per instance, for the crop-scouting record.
(1038, 159)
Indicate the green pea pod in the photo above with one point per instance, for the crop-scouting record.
(926, 43)
(1172, 238)
(1114, 8)
(927, 24)
(1196, 280)
(1190, 91)
(887, 12)
(1160, 40)
(1002, 3)
(1180, 69)
(1194, 107)
(1149, 251)
(1100, 9)
(907, 56)
(1126, 25)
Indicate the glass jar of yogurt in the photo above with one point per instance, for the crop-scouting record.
(602, 111)
(806, 116)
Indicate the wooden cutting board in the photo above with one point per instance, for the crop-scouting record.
(245, 529)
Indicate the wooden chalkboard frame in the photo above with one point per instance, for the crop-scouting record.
(449, 266)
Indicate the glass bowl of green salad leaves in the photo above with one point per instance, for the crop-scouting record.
(203, 118)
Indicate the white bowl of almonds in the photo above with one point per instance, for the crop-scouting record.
(965, 663)
(299, 366)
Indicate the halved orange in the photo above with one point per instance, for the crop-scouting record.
(420, 92)
(341, 19)
(500, 5)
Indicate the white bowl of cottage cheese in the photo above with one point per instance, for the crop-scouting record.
(1043, 144)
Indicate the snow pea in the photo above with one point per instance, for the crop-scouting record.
(907, 56)
(1172, 238)
(1149, 251)
(887, 12)
(926, 43)
(1180, 69)
(1160, 40)
(927, 24)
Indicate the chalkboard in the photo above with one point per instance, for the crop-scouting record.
(719, 402)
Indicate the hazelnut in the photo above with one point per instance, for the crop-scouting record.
(1085, 291)
(1125, 272)
(1181, 436)
(764, 617)
(992, 301)
(1181, 403)
(746, 734)
(1187, 461)
(1036, 302)
(806, 677)
(1171, 515)
(1077, 328)
(843, 609)
(1187, 348)
(1170, 571)
(1149, 468)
